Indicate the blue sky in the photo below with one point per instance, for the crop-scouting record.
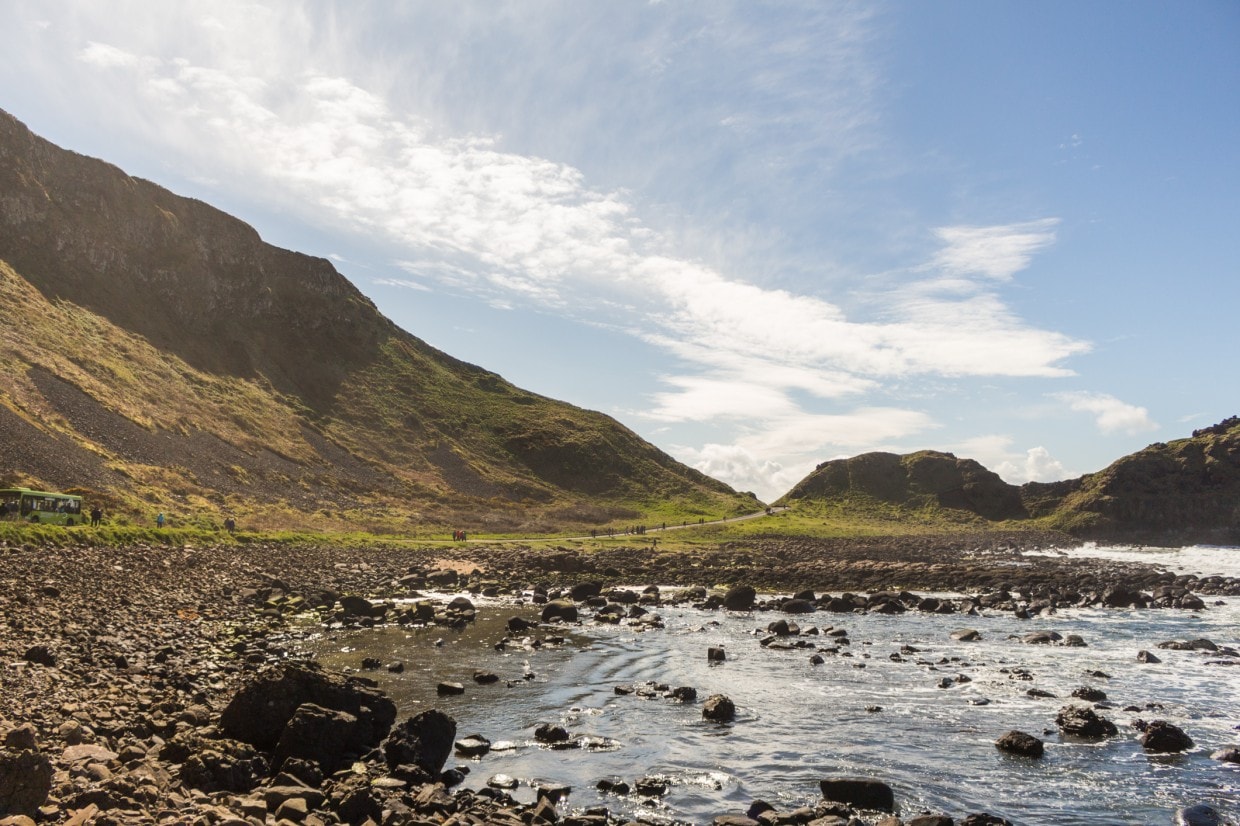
(762, 235)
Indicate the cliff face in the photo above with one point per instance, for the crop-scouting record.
(183, 275)
(165, 350)
(1179, 492)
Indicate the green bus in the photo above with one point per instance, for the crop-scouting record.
(40, 506)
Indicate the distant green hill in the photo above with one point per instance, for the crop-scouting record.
(156, 353)
(1183, 491)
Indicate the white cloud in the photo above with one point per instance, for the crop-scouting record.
(994, 251)
(262, 95)
(1110, 414)
(995, 452)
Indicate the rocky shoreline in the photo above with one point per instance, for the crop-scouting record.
(123, 669)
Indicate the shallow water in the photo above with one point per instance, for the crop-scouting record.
(798, 722)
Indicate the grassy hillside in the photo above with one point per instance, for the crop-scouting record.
(155, 353)
(1187, 490)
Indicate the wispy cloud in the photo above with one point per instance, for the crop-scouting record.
(1110, 414)
(263, 95)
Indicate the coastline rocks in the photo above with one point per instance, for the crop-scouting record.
(862, 792)
(1199, 815)
(425, 741)
(260, 710)
(1161, 737)
(550, 733)
(967, 635)
(719, 708)
(25, 782)
(1084, 722)
(1228, 755)
(740, 598)
(1020, 743)
(561, 610)
(322, 736)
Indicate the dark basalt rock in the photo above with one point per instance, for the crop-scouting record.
(1199, 815)
(551, 733)
(25, 782)
(719, 708)
(1018, 742)
(740, 598)
(861, 792)
(321, 735)
(562, 610)
(1084, 722)
(425, 741)
(259, 712)
(1161, 737)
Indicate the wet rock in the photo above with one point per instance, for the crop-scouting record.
(1161, 737)
(1228, 755)
(502, 781)
(551, 733)
(1042, 638)
(984, 819)
(1084, 722)
(1147, 657)
(559, 610)
(485, 678)
(716, 654)
(967, 635)
(518, 625)
(1089, 694)
(449, 689)
(25, 782)
(740, 598)
(1199, 815)
(930, 820)
(260, 710)
(1020, 743)
(797, 606)
(683, 694)
(651, 786)
(861, 792)
(475, 745)
(613, 785)
(719, 708)
(425, 741)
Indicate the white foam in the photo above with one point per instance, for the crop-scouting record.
(1202, 560)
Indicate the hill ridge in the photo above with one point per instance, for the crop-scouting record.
(258, 380)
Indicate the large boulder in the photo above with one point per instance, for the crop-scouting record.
(1161, 737)
(861, 792)
(719, 707)
(425, 741)
(214, 764)
(25, 781)
(1020, 743)
(323, 736)
(259, 712)
(1084, 722)
(740, 598)
(563, 610)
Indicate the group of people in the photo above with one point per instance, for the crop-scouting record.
(459, 536)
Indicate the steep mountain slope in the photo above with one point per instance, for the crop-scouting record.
(157, 351)
(1187, 490)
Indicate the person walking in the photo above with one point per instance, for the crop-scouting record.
(159, 520)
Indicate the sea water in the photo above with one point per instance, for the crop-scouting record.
(875, 709)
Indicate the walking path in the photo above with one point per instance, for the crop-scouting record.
(604, 535)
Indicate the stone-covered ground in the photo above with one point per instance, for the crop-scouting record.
(118, 666)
